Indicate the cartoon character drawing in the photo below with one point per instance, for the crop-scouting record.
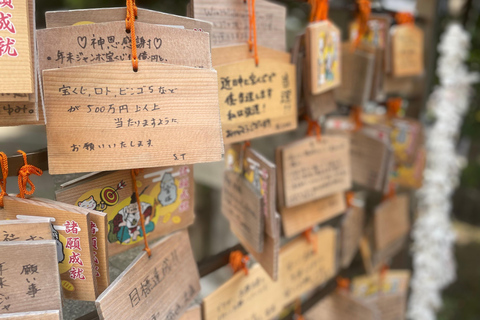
(125, 227)
(327, 57)
(109, 197)
(168, 193)
(320, 61)
(60, 251)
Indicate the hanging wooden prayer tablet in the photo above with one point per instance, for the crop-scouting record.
(407, 50)
(29, 278)
(36, 315)
(24, 230)
(310, 169)
(71, 233)
(166, 196)
(392, 221)
(141, 119)
(323, 56)
(341, 306)
(410, 175)
(256, 296)
(256, 101)
(406, 137)
(157, 287)
(351, 232)
(231, 21)
(55, 19)
(193, 313)
(302, 217)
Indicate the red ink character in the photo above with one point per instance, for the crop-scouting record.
(75, 258)
(71, 227)
(77, 273)
(73, 244)
(184, 206)
(6, 47)
(94, 243)
(6, 3)
(95, 259)
(93, 227)
(5, 23)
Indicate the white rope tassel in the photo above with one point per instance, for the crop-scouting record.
(433, 258)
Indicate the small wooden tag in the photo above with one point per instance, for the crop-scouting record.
(256, 101)
(166, 194)
(145, 113)
(312, 169)
(15, 48)
(300, 218)
(193, 313)
(392, 221)
(243, 207)
(351, 234)
(159, 287)
(406, 138)
(72, 237)
(38, 315)
(390, 282)
(407, 50)
(323, 56)
(357, 76)
(411, 176)
(341, 306)
(230, 22)
(377, 34)
(256, 296)
(55, 19)
(21, 230)
(29, 278)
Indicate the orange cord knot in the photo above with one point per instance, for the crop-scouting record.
(134, 174)
(357, 117)
(350, 196)
(343, 283)
(3, 181)
(238, 261)
(311, 238)
(392, 191)
(313, 127)
(364, 10)
(394, 105)
(24, 176)
(319, 10)
(252, 30)
(298, 310)
(404, 18)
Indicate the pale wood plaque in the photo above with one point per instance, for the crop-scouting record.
(407, 50)
(22, 230)
(37, 315)
(341, 306)
(392, 221)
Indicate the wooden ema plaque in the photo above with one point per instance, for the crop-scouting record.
(159, 287)
(243, 207)
(253, 167)
(193, 313)
(341, 306)
(166, 196)
(411, 176)
(21, 230)
(310, 169)
(29, 278)
(406, 138)
(230, 22)
(392, 221)
(300, 218)
(38, 315)
(256, 296)
(256, 101)
(162, 120)
(323, 56)
(55, 19)
(72, 237)
(407, 50)
(351, 234)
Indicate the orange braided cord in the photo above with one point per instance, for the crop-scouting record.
(238, 261)
(24, 176)
(3, 181)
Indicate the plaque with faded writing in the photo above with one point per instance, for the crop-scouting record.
(21, 230)
(323, 56)
(108, 42)
(36, 315)
(166, 196)
(392, 221)
(29, 278)
(71, 232)
(159, 287)
(300, 218)
(312, 169)
(243, 207)
(256, 101)
(351, 233)
(55, 19)
(230, 22)
(162, 115)
(341, 306)
(256, 296)
(357, 76)
(15, 48)
(407, 50)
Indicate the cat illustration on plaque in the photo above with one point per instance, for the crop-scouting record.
(109, 197)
